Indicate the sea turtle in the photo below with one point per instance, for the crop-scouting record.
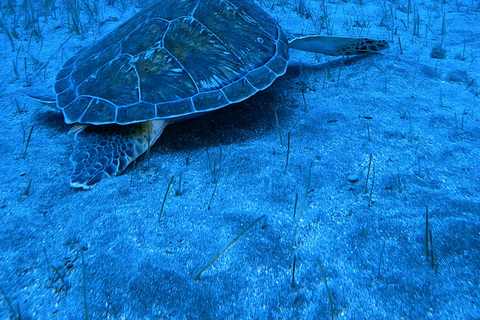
(176, 60)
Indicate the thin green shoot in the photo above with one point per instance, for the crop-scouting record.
(277, 123)
(211, 198)
(380, 261)
(27, 78)
(304, 100)
(288, 150)
(165, 198)
(368, 173)
(19, 110)
(339, 74)
(15, 70)
(329, 294)
(178, 192)
(431, 250)
(27, 141)
(293, 271)
(59, 276)
(371, 189)
(26, 191)
(197, 277)
(56, 273)
(49, 5)
(9, 35)
(215, 165)
(304, 205)
(295, 205)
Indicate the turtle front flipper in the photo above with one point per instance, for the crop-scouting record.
(337, 46)
(104, 151)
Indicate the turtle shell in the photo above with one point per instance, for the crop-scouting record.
(175, 60)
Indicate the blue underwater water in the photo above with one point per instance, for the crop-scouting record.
(285, 185)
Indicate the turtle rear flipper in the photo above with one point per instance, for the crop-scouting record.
(337, 46)
(105, 151)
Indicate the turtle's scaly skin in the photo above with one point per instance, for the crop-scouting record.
(104, 151)
(175, 60)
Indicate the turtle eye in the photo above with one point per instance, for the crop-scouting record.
(260, 40)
